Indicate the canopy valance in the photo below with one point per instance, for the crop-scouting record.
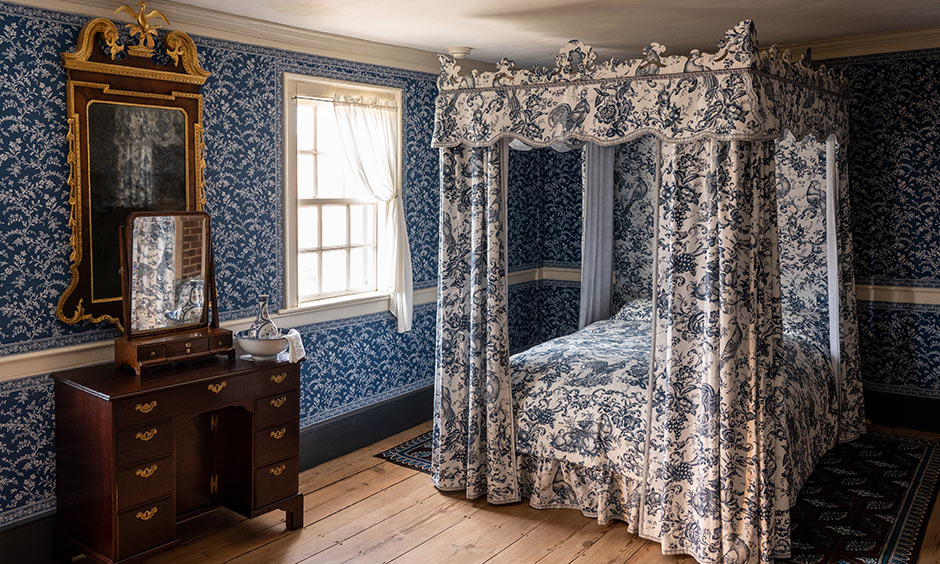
(737, 93)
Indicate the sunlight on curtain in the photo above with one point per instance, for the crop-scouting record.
(369, 132)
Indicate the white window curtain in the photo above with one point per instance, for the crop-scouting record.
(368, 128)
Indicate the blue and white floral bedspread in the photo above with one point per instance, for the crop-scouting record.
(582, 398)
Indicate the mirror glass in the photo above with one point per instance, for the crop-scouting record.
(137, 161)
(168, 262)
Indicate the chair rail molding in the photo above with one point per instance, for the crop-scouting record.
(15, 366)
(230, 27)
(898, 294)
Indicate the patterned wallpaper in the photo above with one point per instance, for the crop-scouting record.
(351, 363)
(545, 193)
(894, 160)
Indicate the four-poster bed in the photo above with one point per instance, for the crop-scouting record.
(697, 420)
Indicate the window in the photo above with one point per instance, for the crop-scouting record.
(334, 225)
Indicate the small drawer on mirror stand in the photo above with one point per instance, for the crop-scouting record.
(218, 342)
(150, 353)
(187, 347)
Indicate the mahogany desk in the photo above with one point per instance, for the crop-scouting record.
(136, 455)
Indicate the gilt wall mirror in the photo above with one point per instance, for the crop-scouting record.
(134, 111)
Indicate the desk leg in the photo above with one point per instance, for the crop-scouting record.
(294, 507)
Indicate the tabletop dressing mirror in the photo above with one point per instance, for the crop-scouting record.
(168, 276)
(168, 265)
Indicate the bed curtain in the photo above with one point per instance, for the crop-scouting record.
(473, 438)
(713, 485)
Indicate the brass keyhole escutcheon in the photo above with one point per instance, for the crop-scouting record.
(146, 515)
(276, 471)
(146, 472)
(279, 401)
(145, 407)
(146, 435)
(216, 388)
(279, 433)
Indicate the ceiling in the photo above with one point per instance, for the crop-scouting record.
(531, 31)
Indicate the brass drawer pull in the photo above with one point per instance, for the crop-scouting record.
(153, 354)
(279, 401)
(221, 343)
(279, 433)
(145, 407)
(146, 515)
(146, 435)
(216, 388)
(278, 378)
(146, 472)
(276, 471)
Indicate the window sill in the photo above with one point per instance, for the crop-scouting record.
(331, 309)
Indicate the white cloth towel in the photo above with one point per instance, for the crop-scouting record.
(295, 346)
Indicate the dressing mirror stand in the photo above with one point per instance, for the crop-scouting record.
(168, 278)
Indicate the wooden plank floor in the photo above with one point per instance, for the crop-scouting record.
(361, 509)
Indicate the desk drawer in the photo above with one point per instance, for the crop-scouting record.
(142, 410)
(276, 443)
(145, 481)
(275, 482)
(145, 527)
(277, 409)
(145, 442)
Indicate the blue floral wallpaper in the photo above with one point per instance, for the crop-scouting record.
(544, 209)
(895, 167)
(351, 363)
(899, 345)
(894, 160)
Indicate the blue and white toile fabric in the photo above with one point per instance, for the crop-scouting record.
(580, 402)
(473, 439)
(153, 272)
(723, 419)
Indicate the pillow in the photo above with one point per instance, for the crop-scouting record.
(635, 310)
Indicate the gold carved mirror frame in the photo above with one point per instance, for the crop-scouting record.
(134, 111)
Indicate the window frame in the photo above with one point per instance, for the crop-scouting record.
(300, 86)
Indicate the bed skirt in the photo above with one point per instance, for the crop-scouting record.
(598, 492)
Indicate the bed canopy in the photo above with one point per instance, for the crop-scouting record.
(715, 457)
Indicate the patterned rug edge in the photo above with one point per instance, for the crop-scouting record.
(401, 456)
(907, 536)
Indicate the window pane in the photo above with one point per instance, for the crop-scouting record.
(362, 268)
(333, 168)
(334, 271)
(305, 124)
(305, 185)
(334, 225)
(361, 224)
(307, 227)
(307, 274)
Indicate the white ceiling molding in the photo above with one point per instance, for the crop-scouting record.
(872, 44)
(212, 23)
